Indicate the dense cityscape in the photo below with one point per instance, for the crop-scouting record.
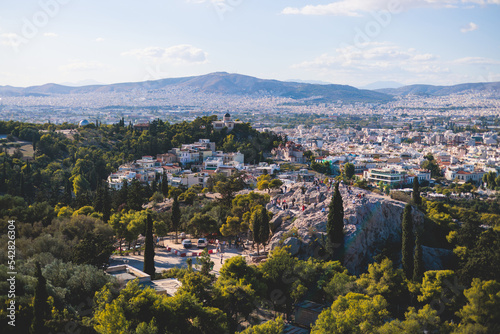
(250, 167)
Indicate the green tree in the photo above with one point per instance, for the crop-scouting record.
(80, 185)
(275, 326)
(41, 308)
(352, 313)
(335, 222)
(483, 306)
(382, 279)
(205, 262)
(278, 272)
(164, 184)
(176, 217)
(416, 192)
(149, 250)
(426, 320)
(418, 263)
(236, 299)
(349, 170)
(259, 222)
(275, 184)
(407, 241)
(441, 287)
(202, 224)
(135, 196)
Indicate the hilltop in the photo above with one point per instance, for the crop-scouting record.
(219, 83)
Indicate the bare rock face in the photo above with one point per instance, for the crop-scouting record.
(371, 221)
(436, 258)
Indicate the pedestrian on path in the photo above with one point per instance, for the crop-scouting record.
(221, 257)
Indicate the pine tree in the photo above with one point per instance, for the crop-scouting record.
(135, 198)
(416, 192)
(40, 306)
(149, 251)
(407, 241)
(335, 223)
(176, 216)
(418, 264)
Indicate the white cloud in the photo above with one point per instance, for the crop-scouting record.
(81, 66)
(50, 34)
(179, 54)
(469, 27)
(370, 56)
(10, 39)
(375, 61)
(476, 61)
(359, 7)
(99, 39)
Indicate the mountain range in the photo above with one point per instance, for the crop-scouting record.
(237, 84)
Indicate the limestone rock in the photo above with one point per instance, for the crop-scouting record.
(371, 221)
(294, 244)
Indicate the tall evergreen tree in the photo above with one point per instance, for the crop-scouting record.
(418, 263)
(407, 241)
(149, 251)
(335, 223)
(121, 198)
(176, 216)
(416, 192)
(256, 225)
(40, 306)
(68, 196)
(265, 229)
(135, 197)
(99, 198)
(164, 184)
(106, 208)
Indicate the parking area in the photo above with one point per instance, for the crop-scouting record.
(166, 259)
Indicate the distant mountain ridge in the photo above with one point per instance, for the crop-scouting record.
(430, 90)
(237, 84)
(218, 82)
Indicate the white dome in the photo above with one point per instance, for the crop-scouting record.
(83, 122)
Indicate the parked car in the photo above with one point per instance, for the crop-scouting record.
(187, 243)
(202, 243)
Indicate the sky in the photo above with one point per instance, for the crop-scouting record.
(352, 42)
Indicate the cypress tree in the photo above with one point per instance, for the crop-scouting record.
(176, 216)
(416, 192)
(418, 264)
(67, 197)
(335, 223)
(149, 251)
(99, 199)
(164, 184)
(407, 242)
(40, 306)
(255, 221)
(264, 227)
(106, 208)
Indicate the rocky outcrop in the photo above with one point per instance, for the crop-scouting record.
(371, 221)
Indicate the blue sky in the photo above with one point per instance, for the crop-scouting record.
(354, 42)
